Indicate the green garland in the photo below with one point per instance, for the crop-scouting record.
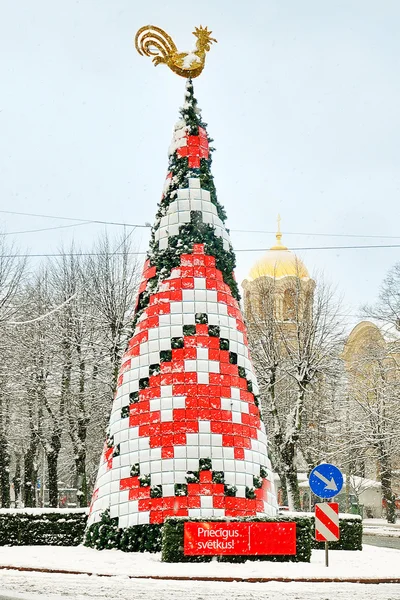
(195, 232)
(105, 535)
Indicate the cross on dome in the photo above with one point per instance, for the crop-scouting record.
(279, 245)
(279, 262)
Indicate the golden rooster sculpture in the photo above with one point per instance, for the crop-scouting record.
(153, 41)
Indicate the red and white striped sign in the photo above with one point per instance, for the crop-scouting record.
(327, 522)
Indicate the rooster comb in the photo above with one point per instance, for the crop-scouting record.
(202, 29)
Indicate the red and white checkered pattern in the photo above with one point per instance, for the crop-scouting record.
(176, 406)
(179, 211)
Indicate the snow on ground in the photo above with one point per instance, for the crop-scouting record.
(43, 586)
(371, 562)
(380, 523)
(381, 527)
(382, 531)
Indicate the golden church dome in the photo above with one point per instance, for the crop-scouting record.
(279, 262)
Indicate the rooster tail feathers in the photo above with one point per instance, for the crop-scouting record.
(152, 41)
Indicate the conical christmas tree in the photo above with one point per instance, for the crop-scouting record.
(185, 435)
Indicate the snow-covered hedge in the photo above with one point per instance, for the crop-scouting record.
(64, 527)
(42, 526)
(172, 540)
(351, 530)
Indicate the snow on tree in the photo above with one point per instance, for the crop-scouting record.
(373, 410)
(12, 269)
(66, 360)
(296, 357)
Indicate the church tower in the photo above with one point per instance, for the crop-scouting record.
(278, 282)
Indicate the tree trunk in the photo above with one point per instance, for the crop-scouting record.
(292, 483)
(81, 482)
(387, 492)
(288, 450)
(52, 466)
(55, 444)
(17, 480)
(30, 457)
(30, 475)
(4, 472)
(284, 491)
(83, 423)
(293, 491)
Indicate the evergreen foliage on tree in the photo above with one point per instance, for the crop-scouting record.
(196, 231)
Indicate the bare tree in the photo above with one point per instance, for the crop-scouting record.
(71, 324)
(381, 370)
(295, 351)
(40, 347)
(374, 388)
(114, 277)
(321, 419)
(387, 308)
(67, 343)
(12, 270)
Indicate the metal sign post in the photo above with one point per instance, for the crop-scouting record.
(326, 481)
(327, 524)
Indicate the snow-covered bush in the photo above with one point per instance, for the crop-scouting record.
(39, 527)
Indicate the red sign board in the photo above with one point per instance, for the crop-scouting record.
(239, 538)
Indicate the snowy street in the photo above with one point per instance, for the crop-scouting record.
(119, 570)
(377, 532)
(371, 563)
(35, 586)
(384, 541)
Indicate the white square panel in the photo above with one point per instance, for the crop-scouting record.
(204, 427)
(167, 477)
(168, 490)
(180, 452)
(155, 466)
(206, 501)
(166, 391)
(143, 518)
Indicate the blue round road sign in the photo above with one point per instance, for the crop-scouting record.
(326, 480)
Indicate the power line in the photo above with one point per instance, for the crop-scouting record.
(325, 248)
(146, 225)
(238, 250)
(348, 235)
(71, 254)
(83, 221)
(42, 229)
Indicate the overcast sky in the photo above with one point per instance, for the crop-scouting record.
(301, 97)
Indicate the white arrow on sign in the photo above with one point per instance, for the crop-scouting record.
(329, 485)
